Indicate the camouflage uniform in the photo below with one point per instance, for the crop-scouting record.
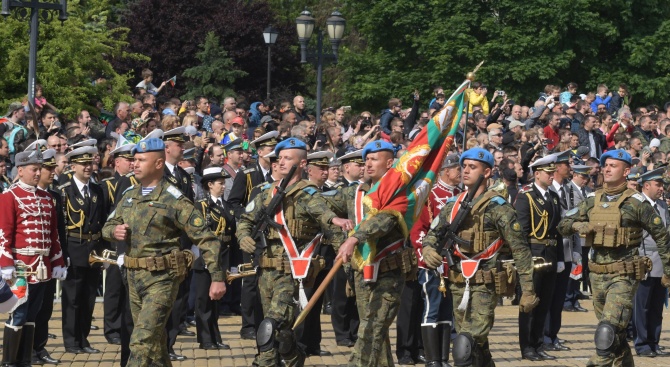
(278, 289)
(156, 222)
(377, 302)
(500, 220)
(613, 292)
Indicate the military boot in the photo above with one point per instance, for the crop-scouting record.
(25, 353)
(445, 343)
(11, 341)
(431, 345)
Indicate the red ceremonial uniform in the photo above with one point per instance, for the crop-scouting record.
(29, 229)
(437, 198)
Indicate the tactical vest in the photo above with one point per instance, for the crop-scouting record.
(299, 229)
(472, 229)
(606, 220)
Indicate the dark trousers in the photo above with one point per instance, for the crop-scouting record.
(344, 316)
(308, 333)
(178, 313)
(44, 315)
(408, 323)
(27, 312)
(113, 299)
(78, 300)
(252, 311)
(648, 314)
(127, 327)
(554, 317)
(585, 268)
(572, 292)
(206, 310)
(230, 302)
(531, 325)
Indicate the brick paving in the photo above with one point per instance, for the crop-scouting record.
(577, 330)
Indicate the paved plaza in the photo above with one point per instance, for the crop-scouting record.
(578, 331)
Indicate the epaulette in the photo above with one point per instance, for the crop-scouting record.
(591, 195)
(130, 174)
(498, 200)
(310, 190)
(174, 191)
(61, 187)
(525, 189)
(128, 189)
(107, 179)
(638, 196)
(249, 170)
(329, 193)
(337, 185)
(266, 186)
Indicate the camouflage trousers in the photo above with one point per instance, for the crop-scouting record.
(477, 319)
(279, 294)
(378, 305)
(613, 303)
(151, 295)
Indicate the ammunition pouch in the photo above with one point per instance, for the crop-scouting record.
(276, 263)
(478, 240)
(299, 230)
(405, 260)
(506, 280)
(606, 221)
(636, 268)
(179, 260)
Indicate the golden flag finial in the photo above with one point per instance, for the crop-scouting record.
(471, 75)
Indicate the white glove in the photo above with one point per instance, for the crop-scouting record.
(68, 262)
(59, 272)
(560, 266)
(7, 272)
(119, 260)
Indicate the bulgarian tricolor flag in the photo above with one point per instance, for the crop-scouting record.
(405, 187)
(173, 80)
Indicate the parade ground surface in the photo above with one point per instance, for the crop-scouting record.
(578, 328)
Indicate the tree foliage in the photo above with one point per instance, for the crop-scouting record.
(70, 57)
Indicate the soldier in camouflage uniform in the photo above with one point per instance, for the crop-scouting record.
(151, 217)
(378, 299)
(305, 217)
(475, 301)
(613, 219)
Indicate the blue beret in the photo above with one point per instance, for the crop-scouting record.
(377, 146)
(618, 154)
(149, 145)
(654, 175)
(477, 154)
(290, 143)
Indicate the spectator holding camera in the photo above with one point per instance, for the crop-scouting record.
(393, 111)
(477, 98)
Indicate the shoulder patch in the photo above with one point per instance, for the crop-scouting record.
(128, 189)
(591, 195)
(329, 193)
(516, 227)
(638, 196)
(131, 174)
(525, 189)
(250, 207)
(107, 179)
(498, 200)
(266, 186)
(452, 199)
(64, 185)
(570, 212)
(310, 190)
(196, 220)
(657, 220)
(249, 170)
(174, 192)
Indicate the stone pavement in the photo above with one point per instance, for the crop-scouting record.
(578, 330)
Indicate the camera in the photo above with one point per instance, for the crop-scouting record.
(501, 92)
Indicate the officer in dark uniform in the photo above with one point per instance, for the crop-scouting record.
(115, 296)
(40, 354)
(344, 314)
(220, 218)
(85, 213)
(539, 212)
(67, 173)
(238, 198)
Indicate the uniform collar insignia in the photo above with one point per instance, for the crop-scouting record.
(80, 201)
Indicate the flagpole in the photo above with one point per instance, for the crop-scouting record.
(471, 77)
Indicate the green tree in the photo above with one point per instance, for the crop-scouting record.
(216, 73)
(69, 58)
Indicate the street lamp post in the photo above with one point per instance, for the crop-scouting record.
(270, 36)
(45, 10)
(305, 27)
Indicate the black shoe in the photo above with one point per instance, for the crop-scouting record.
(75, 350)
(209, 346)
(569, 308)
(406, 360)
(93, 327)
(317, 352)
(222, 346)
(661, 353)
(420, 357)
(346, 343)
(583, 296)
(555, 347)
(580, 309)
(36, 361)
(191, 323)
(647, 353)
(46, 358)
(115, 341)
(176, 357)
(531, 355)
(545, 356)
(186, 333)
(90, 350)
(51, 336)
(248, 334)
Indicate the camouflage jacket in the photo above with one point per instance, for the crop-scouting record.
(499, 216)
(308, 206)
(636, 211)
(157, 221)
(382, 227)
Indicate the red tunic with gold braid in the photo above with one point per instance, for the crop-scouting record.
(437, 198)
(29, 229)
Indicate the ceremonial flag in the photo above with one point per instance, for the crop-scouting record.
(404, 188)
(106, 118)
(173, 80)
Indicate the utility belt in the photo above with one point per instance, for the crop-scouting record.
(405, 260)
(317, 264)
(32, 251)
(504, 279)
(549, 242)
(225, 238)
(86, 237)
(180, 260)
(637, 268)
